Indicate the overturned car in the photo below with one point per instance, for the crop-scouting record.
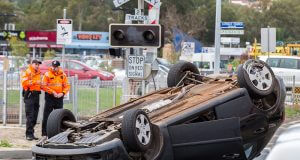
(221, 118)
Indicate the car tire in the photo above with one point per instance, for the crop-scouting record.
(55, 121)
(279, 93)
(178, 71)
(136, 130)
(257, 77)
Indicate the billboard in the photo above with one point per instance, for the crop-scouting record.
(40, 36)
(89, 40)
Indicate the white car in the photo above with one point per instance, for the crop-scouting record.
(285, 66)
(287, 145)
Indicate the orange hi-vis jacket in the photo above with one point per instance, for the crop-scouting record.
(55, 82)
(31, 79)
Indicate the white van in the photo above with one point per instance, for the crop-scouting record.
(286, 66)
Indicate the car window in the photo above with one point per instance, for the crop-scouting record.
(73, 65)
(273, 62)
(289, 63)
(202, 65)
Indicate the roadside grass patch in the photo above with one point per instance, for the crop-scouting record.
(5, 143)
(292, 112)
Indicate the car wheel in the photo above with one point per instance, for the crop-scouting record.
(136, 130)
(55, 121)
(257, 77)
(179, 70)
(275, 101)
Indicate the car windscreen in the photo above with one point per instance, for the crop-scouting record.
(273, 62)
(288, 63)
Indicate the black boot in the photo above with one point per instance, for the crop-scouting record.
(29, 137)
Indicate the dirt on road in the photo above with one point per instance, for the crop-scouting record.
(15, 135)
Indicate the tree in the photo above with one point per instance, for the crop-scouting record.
(49, 54)
(6, 7)
(18, 49)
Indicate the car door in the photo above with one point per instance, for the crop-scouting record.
(215, 140)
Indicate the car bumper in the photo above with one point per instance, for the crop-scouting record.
(112, 150)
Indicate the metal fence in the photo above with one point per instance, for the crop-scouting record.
(86, 98)
(293, 91)
(89, 97)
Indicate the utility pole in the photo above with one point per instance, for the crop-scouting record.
(217, 36)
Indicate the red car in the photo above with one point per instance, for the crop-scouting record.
(73, 67)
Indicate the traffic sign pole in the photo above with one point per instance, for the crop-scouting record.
(140, 50)
(63, 49)
(217, 37)
(268, 42)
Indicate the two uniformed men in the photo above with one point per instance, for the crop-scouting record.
(54, 83)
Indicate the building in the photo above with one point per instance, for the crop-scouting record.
(39, 42)
(4, 38)
(89, 43)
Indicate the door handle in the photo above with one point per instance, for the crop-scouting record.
(231, 156)
(259, 131)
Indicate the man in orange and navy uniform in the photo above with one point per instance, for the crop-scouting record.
(56, 85)
(31, 83)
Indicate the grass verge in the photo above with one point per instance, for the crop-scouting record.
(5, 143)
(292, 112)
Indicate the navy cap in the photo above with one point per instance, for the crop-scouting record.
(36, 61)
(55, 63)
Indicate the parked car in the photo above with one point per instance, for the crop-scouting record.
(74, 67)
(194, 118)
(96, 62)
(285, 66)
